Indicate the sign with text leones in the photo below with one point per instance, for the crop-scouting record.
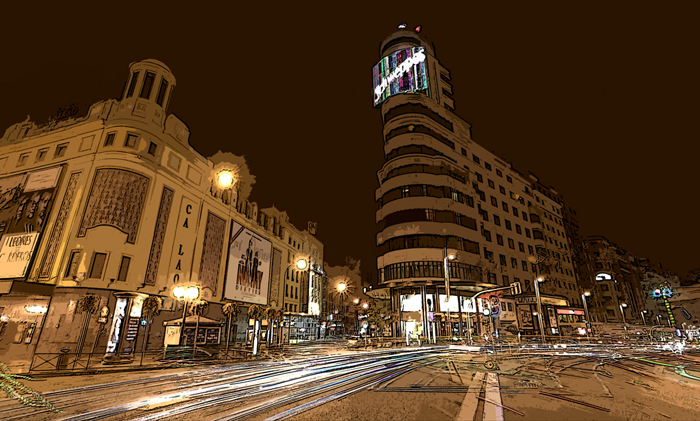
(185, 238)
(16, 251)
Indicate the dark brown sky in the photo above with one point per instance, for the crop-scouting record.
(598, 101)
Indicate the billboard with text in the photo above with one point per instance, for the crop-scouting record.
(248, 269)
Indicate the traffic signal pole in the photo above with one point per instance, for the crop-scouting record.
(514, 287)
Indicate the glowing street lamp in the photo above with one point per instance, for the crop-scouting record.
(302, 264)
(539, 305)
(585, 307)
(224, 179)
(365, 306)
(622, 305)
(341, 287)
(356, 301)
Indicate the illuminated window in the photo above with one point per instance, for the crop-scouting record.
(124, 268)
(147, 85)
(98, 264)
(132, 84)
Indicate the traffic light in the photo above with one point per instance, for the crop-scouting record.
(515, 288)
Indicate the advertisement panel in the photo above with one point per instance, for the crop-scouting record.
(25, 203)
(248, 269)
(400, 72)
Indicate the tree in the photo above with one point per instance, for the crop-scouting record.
(197, 308)
(230, 310)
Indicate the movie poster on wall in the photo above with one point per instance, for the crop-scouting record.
(248, 269)
(25, 203)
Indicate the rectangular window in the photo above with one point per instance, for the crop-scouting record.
(494, 202)
(60, 150)
(109, 140)
(497, 220)
(524, 216)
(487, 235)
(73, 261)
(503, 260)
(518, 229)
(132, 84)
(515, 211)
(508, 225)
(511, 243)
(487, 165)
(41, 155)
(147, 85)
(130, 141)
(98, 264)
(161, 91)
(499, 239)
(479, 177)
(510, 179)
(476, 159)
(464, 152)
(152, 149)
(124, 268)
(514, 262)
(530, 250)
(505, 206)
(502, 189)
(23, 159)
(492, 184)
(524, 265)
(499, 172)
(521, 246)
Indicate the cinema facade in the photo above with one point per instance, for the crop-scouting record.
(101, 212)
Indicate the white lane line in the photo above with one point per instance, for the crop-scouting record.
(468, 410)
(493, 393)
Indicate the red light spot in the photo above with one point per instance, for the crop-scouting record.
(418, 28)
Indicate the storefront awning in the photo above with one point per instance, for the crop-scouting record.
(192, 320)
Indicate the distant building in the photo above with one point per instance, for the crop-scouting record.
(100, 212)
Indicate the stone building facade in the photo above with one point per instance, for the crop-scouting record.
(102, 211)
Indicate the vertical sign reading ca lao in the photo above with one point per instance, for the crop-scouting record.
(185, 236)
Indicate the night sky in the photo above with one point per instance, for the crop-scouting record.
(598, 101)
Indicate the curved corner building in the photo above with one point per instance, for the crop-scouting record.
(441, 194)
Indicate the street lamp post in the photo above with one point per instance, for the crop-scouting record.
(624, 323)
(585, 307)
(446, 261)
(539, 306)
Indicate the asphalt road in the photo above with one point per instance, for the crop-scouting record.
(427, 383)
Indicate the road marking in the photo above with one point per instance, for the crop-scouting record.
(493, 393)
(468, 410)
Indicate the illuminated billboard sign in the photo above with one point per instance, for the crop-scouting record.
(400, 72)
(25, 203)
(248, 271)
(602, 276)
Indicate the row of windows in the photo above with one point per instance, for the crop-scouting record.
(418, 128)
(426, 190)
(488, 167)
(411, 108)
(429, 215)
(295, 291)
(427, 169)
(415, 149)
(429, 241)
(147, 87)
(131, 141)
(42, 154)
(423, 269)
(290, 307)
(97, 265)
